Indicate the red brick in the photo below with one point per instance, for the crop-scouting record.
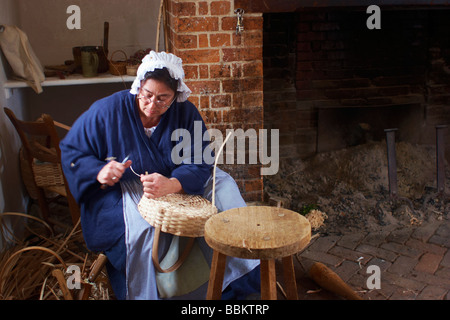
(185, 41)
(253, 38)
(203, 41)
(181, 9)
(244, 115)
(242, 85)
(250, 23)
(196, 24)
(220, 7)
(248, 99)
(194, 100)
(204, 87)
(210, 116)
(252, 196)
(191, 72)
(219, 40)
(229, 24)
(253, 69)
(203, 70)
(236, 70)
(203, 8)
(429, 263)
(204, 102)
(242, 54)
(253, 185)
(219, 71)
(199, 56)
(220, 101)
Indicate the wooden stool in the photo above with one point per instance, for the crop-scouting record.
(257, 232)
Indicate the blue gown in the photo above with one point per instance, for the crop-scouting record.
(112, 128)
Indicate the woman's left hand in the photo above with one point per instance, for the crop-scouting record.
(157, 185)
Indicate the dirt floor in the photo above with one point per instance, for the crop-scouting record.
(350, 187)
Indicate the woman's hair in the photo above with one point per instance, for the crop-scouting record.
(162, 75)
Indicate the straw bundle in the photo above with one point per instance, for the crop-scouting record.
(27, 269)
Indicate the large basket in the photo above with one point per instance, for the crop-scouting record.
(179, 214)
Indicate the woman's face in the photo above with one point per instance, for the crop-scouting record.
(154, 98)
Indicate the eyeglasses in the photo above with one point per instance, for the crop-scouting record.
(157, 103)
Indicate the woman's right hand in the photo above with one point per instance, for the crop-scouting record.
(112, 172)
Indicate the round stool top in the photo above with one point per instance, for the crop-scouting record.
(258, 232)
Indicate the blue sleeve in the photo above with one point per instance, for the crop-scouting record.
(80, 156)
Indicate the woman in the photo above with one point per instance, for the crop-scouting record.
(105, 158)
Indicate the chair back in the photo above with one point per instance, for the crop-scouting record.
(39, 138)
(41, 146)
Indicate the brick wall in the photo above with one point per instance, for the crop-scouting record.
(224, 71)
(286, 67)
(320, 59)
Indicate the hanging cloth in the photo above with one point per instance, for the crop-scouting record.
(24, 62)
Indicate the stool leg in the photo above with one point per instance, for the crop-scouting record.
(289, 278)
(268, 280)
(216, 276)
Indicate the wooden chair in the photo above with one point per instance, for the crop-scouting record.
(43, 157)
(43, 160)
(257, 232)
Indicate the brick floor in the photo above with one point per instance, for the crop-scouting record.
(414, 262)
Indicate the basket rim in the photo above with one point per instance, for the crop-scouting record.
(172, 219)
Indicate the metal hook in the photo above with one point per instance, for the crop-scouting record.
(240, 17)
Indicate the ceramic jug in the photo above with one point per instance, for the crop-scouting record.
(89, 61)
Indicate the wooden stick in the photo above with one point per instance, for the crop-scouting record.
(330, 281)
(166, 26)
(158, 27)
(214, 171)
(61, 125)
(58, 274)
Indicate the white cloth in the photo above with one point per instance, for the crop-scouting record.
(20, 55)
(140, 273)
(158, 60)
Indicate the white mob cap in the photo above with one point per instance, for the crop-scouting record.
(158, 60)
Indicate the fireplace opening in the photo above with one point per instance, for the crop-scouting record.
(332, 86)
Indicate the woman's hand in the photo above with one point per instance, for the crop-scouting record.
(112, 172)
(157, 185)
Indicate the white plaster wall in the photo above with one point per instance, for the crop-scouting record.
(132, 23)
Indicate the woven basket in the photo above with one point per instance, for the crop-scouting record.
(118, 67)
(132, 69)
(179, 214)
(47, 174)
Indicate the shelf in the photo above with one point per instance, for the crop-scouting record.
(72, 80)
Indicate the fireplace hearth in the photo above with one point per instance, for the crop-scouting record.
(332, 86)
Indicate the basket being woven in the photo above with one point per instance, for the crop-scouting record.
(179, 214)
